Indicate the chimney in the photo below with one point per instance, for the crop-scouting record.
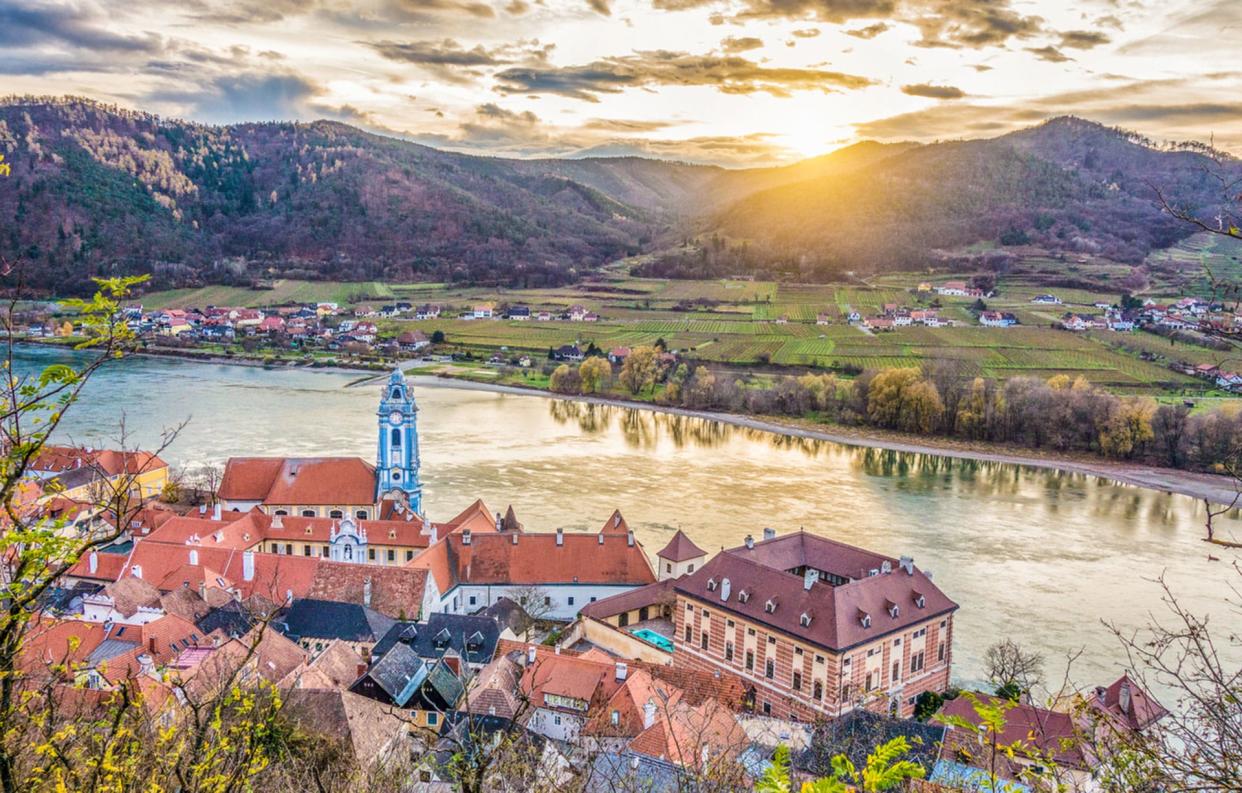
(629, 538)
(248, 566)
(194, 556)
(202, 509)
(530, 654)
(360, 669)
(215, 511)
(366, 592)
(465, 537)
(560, 537)
(601, 538)
(649, 714)
(750, 542)
(769, 534)
(809, 579)
(515, 538)
(434, 531)
(93, 562)
(557, 649)
(500, 522)
(1123, 697)
(621, 670)
(278, 521)
(136, 570)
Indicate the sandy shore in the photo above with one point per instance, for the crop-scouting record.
(1218, 489)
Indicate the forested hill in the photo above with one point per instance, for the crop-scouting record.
(97, 190)
(94, 189)
(1067, 186)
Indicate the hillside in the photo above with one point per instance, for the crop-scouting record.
(1067, 186)
(97, 190)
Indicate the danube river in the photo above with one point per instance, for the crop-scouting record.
(1044, 557)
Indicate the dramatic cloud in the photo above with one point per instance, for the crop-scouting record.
(727, 74)
(1083, 39)
(600, 7)
(27, 25)
(249, 97)
(1049, 53)
(436, 53)
(735, 44)
(933, 91)
(869, 32)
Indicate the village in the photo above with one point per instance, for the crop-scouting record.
(403, 635)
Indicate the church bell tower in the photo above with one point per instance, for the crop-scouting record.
(396, 464)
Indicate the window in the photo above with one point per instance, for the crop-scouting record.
(361, 514)
(769, 669)
(750, 631)
(668, 568)
(797, 651)
(940, 652)
(703, 640)
(730, 623)
(845, 693)
(689, 633)
(873, 680)
(690, 569)
(797, 681)
(392, 555)
(547, 601)
(615, 718)
(767, 708)
(571, 600)
(556, 720)
(623, 618)
(326, 551)
(336, 513)
(728, 651)
(689, 607)
(306, 550)
(371, 554)
(916, 662)
(409, 555)
(896, 671)
(396, 437)
(308, 513)
(750, 661)
(819, 659)
(275, 548)
(473, 600)
(281, 512)
(432, 718)
(289, 548)
(818, 690)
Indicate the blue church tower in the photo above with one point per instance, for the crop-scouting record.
(396, 463)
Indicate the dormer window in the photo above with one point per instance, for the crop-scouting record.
(308, 529)
(743, 596)
(475, 641)
(442, 638)
(894, 610)
(711, 585)
(770, 606)
(805, 620)
(919, 600)
(864, 619)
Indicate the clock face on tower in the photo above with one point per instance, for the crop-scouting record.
(395, 417)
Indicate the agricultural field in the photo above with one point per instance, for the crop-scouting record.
(738, 326)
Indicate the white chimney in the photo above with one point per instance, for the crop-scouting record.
(92, 562)
(194, 556)
(750, 542)
(136, 570)
(366, 592)
(725, 586)
(1123, 696)
(649, 714)
(278, 521)
(601, 538)
(629, 538)
(202, 509)
(515, 535)
(215, 512)
(530, 654)
(500, 522)
(769, 534)
(465, 537)
(560, 536)
(621, 670)
(248, 566)
(809, 579)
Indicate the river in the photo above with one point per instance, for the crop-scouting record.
(1042, 556)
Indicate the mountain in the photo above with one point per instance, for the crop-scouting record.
(97, 190)
(1068, 185)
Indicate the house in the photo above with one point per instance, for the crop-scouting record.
(997, 319)
(173, 322)
(484, 311)
(854, 316)
(271, 324)
(815, 626)
(568, 352)
(577, 313)
(314, 624)
(924, 287)
(308, 487)
(617, 355)
(469, 570)
(823, 319)
(521, 313)
(782, 320)
(412, 340)
(544, 316)
(427, 311)
(76, 473)
(879, 323)
(464, 639)
(1048, 300)
(401, 679)
(952, 288)
(1230, 381)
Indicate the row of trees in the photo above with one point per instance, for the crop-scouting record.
(1059, 414)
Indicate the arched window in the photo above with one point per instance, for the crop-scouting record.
(349, 553)
(396, 393)
(361, 514)
(282, 512)
(396, 436)
(336, 513)
(308, 513)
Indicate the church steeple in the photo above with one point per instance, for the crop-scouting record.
(396, 464)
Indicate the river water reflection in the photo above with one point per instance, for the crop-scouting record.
(1042, 556)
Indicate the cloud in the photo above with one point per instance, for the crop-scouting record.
(933, 91)
(806, 33)
(600, 7)
(248, 97)
(27, 25)
(243, 12)
(729, 74)
(869, 32)
(734, 44)
(447, 52)
(1083, 39)
(1049, 53)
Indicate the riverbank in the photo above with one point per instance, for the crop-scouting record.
(1210, 487)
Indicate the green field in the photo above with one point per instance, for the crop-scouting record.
(736, 323)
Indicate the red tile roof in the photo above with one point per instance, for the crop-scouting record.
(1037, 730)
(299, 480)
(241, 530)
(835, 611)
(538, 559)
(680, 549)
(109, 461)
(1138, 711)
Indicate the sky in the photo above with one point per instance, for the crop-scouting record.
(733, 82)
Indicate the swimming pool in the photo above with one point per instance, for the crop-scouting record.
(651, 637)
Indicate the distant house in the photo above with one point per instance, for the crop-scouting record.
(401, 679)
(457, 638)
(484, 311)
(1050, 300)
(823, 319)
(427, 311)
(618, 354)
(782, 320)
(568, 352)
(879, 323)
(952, 288)
(997, 319)
(577, 313)
(544, 316)
(925, 287)
(272, 324)
(855, 316)
(519, 313)
(413, 340)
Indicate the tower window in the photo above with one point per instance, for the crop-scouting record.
(396, 436)
(396, 393)
(396, 476)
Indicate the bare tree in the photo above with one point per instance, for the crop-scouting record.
(1013, 670)
(535, 602)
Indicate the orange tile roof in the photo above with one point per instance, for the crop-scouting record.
(680, 548)
(57, 459)
(299, 480)
(538, 559)
(242, 530)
